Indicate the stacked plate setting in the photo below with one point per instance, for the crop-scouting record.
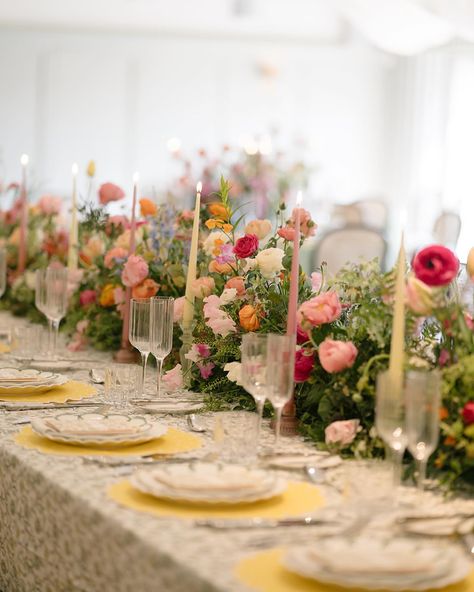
(98, 429)
(209, 483)
(28, 382)
(374, 564)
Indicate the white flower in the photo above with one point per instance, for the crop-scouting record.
(30, 280)
(249, 264)
(234, 372)
(270, 262)
(210, 242)
(228, 295)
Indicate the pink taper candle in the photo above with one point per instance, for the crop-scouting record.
(131, 251)
(295, 271)
(22, 250)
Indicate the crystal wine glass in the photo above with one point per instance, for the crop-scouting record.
(139, 333)
(390, 422)
(3, 271)
(254, 370)
(161, 335)
(423, 400)
(51, 299)
(281, 373)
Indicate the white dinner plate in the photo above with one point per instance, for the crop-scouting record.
(98, 429)
(209, 483)
(29, 382)
(301, 461)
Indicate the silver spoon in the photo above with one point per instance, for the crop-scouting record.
(193, 426)
(314, 474)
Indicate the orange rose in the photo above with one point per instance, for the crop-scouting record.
(147, 289)
(248, 318)
(236, 282)
(443, 413)
(223, 268)
(218, 210)
(449, 441)
(107, 295)
(147, 207)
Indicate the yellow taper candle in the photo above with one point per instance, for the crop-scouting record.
(188, 310)
(397, 345)
(72, 255)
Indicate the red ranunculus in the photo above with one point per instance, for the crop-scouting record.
(304, 364)
(87, 297)
(301, 336)
(468, 413)
(246, 246)
(435, 265)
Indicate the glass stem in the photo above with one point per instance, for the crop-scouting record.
(144, 361)
(159, 368)
(55, 331)
(50, 336)
(395, 457)
(421, 473)
(259, 403)
(278, 412)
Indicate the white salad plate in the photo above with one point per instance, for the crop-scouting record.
(31, 382)
(209, 483)
(373, 564)
(98, 429)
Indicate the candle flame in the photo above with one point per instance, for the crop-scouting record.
(136, 177)
(74, 169)
(199, 187)
(299, 198)
(24, 159)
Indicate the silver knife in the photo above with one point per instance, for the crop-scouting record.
(249, 523)
(36, 406)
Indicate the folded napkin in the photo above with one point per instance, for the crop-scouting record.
(91, 427)
(224, 481)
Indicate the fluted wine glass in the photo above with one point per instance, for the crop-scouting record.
(423, 400)
(254, 370)
(161, 335)
(3, 271)
(139, 332)
(281, 374)
(51, 299)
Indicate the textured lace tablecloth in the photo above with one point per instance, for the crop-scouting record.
(59, 531)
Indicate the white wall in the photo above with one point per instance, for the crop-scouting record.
(117, 98)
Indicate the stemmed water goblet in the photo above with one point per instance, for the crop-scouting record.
(51, 299)
(281, 374)
(423, 400)
(139, 333)
(161, 332)
(3, 271)
(254, 370)
(390, 421)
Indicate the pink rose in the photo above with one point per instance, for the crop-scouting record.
(316, 281)
(49, 205)
(246, 246)
(178, 309)
(341, 432)
(337, 355)
(87, 297)
(203, 350)
(237, 283)
(114, 222)
(134, 271)
(321, 309)
(202, 287)
(435, 265)
(110, 192)
(173, 379)
(111, 256)
(307, 226)
(304, 364)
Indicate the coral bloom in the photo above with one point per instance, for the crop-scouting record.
(336, 356)
(246, 246)
(321, 309)
(248, 318)
(202, 287)
(147, 289)
(287, 233)
(218, 210)
(435, 265)
(49, 205)
(147, 207)
(107, 297)
(134, 271)
(304, 364)
(307, 226)
(110, 192)
(237, 283)
(111, 256)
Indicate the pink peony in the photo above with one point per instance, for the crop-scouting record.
(202, 287)
(87, 297)
(246, 246)
(337, 355)
(435, 265)
(321, 309)
(134, 271)
(110, 192)
(206, 370)
(341, 432)
(49, 205)
(111, 256)
(237, 283)
(178, 309)
(304, 364)
(173, 379)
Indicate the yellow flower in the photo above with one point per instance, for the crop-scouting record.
(219, 211)
(213, 223)
(91, 169)
(107, 295)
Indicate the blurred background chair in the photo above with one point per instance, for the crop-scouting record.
(349, 245)
(371, 213)
(446, 229)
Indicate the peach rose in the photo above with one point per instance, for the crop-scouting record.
(470, 264)
(49, 205)
(321, 309)
(237, 283)
(134, 271)
(113, 254)
(147, 207)
(107, 295)
(110, 192)
(335, 356)
(248, 318)
(178, 309)
(147, 289)
(202, 287)
(93, 248)
(261, 228)
(341, 433)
